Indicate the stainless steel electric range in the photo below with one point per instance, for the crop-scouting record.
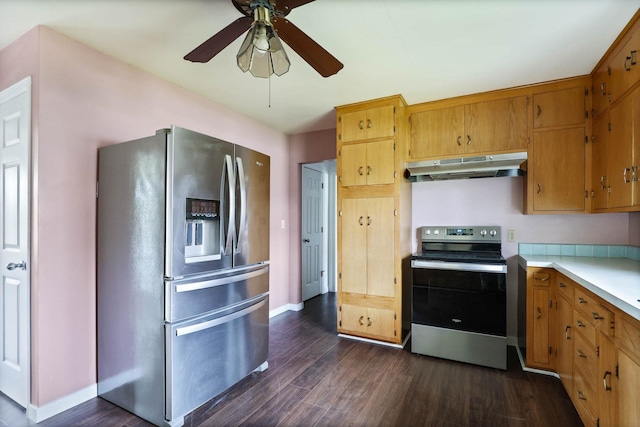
(459, 295)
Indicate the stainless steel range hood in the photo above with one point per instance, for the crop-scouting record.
(467, 167)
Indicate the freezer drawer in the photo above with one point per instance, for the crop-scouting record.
(210, 354)
(195, 297)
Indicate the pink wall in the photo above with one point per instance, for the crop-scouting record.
(305, 148)
(499, 201)
(634, 229)
(88, 100)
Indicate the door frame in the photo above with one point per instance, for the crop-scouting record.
(24, 86)
(329, 203)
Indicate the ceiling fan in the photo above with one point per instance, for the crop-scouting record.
(262, 52)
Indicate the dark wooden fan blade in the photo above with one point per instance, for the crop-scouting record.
(321, 60)
(222, 39)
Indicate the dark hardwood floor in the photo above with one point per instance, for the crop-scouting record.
(318, 378)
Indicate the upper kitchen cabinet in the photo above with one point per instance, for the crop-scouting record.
(374, 220)
(368, 163)
(625, 70)
(492, 126)
(559, 108)
(601, 89)
(557, 177)
(367, 124)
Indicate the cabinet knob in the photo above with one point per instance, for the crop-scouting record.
(361, 170)
(361, 124)
(581, 395)
(369, 169)
(361, 320)
(468, 140)
(539, 188)
(369, 123)
(360, 220)
(369, 321)
(459, 140)
(624, 175)
(539, 313)
(539, 111)
(566, 332)
(581, 300)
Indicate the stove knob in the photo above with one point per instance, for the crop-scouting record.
(436, 231)
(427, 232)
(493, 232)
(483, 233)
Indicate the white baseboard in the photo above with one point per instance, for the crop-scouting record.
(286, 307)
(41, 413)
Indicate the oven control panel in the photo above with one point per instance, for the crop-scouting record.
(485, 233)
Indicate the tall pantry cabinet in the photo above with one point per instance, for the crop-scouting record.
(374, 220)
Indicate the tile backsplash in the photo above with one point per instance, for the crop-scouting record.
(597, 251)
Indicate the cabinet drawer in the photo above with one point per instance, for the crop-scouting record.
(604, 321)
(628, 333)
(542, 278)
(585, 303)
(584, 326)
(585, 358)
(565, 287)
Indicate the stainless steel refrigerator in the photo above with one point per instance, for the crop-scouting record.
(183, 271)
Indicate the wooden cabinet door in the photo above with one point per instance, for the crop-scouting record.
(353, 242)
(558, 170)
(353, 126)
(380, 164)
(380, 322)
(564, 335)
(599, 176)
(601, 89)
(437, 133)
(628, 391)
(380, 122)
(540, 322)
(559, 108)
(619, 154)
(608, 390)
(496, 125)
(636, 147)
(380, 246)
(625, 69)
(354, 165)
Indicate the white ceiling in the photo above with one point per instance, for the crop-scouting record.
(422, 49)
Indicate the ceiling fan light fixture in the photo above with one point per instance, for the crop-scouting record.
(261, 52)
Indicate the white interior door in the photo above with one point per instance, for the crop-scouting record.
(312, 233)
(15, 141)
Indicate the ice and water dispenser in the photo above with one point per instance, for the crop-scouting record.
(202, 230)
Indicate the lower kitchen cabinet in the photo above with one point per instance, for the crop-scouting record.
(367, 321)
(597, 348)
(538, 349)
(564, 339)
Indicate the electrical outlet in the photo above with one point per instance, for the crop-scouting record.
(511, 235)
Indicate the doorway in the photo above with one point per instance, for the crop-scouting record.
(318, 229)
(15, 147)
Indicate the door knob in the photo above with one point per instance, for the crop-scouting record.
(306, 240)
(12, 266)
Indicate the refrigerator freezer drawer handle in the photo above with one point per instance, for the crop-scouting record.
(219, 321)
(187, 287)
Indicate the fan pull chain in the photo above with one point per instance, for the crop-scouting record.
(269, 90)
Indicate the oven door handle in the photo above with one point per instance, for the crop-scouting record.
(458, 266)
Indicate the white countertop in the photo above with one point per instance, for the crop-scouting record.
(615, 280)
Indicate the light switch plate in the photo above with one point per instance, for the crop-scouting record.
(511, 235)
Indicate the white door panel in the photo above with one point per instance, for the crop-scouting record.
(15, 141)
(312, 229)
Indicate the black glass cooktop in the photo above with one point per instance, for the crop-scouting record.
(456, 256)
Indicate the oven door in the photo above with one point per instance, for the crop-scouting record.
(464, 297)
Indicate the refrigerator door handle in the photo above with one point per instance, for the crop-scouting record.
(228, 166)
(243, 203)
(187, 287)
(186, 330)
